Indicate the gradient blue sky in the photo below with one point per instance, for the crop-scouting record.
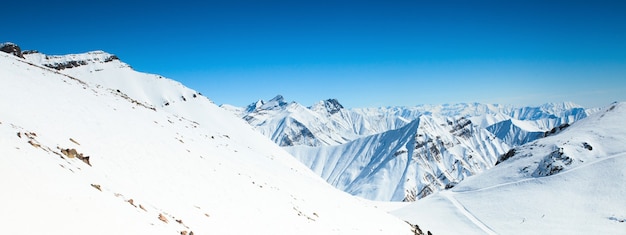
(364, 53)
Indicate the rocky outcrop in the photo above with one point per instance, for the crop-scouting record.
(72, 153)
(332, 106)
(11, 48)
(66, 65)
(76, 63)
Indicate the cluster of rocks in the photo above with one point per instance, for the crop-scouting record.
(11, 48)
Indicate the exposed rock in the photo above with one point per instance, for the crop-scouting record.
(26, 52)
(416, 229)
(72, 153)
(132, 202)
(332, 106)
(84, 159)
(34, 143)
(410, 195)
(11, 48)
(163, 218)
(587, 146)
(552, 164)
(425, 191)
(74, 141)
(556, 130)
(97, 186)
(111, 58)
(506, 156)
(66, 65)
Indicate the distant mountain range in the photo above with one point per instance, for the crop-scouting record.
(402, 153)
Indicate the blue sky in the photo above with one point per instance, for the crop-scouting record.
(364, 53)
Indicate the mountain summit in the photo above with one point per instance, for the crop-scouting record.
(331, 106)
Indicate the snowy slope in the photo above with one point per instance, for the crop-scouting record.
(425, 156)
(101, 149)
(572, 182)
(516, 132)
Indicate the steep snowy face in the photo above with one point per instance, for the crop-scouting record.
(570, 182)
(96, 144)
(427, 155)
(516, 132)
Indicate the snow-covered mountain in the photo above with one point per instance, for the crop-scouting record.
(428, 155)
(402, 153)
(571, 182)
(329, 123)
(290, 123)
(90, 146)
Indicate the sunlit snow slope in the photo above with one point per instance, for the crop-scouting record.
(572, 182)
(94, 147)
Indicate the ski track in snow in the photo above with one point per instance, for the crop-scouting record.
(617, 155)
(448, 195)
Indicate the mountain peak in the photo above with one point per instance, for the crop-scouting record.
(277, 98)
(277, 102)
(11, 48)
(331, 106)
(255, 106)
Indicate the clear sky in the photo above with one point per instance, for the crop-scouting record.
(363, 53)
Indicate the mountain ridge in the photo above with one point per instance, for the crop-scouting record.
(103, 144)
(327, 132)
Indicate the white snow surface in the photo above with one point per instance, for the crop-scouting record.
(156, 149)
(572, 182)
